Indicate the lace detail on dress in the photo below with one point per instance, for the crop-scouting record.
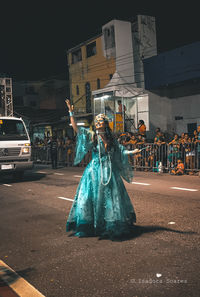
(84, 144)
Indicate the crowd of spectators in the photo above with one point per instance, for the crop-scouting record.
(58, 151)
(169, 151)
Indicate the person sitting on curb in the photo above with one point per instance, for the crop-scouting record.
(179, 170)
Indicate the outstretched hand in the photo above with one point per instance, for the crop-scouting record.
(73, 122)
(70, 107)
(136, 151)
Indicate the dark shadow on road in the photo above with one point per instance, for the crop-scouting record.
(134, 232)
(25, 272)
(28, 177)
(137, 231)
(8, 276)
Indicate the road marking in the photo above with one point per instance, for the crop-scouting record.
(7, 185)
(56, 173)
(143, 184)
(171, 223)
(15, 282)
(77, 175)
(64, 198)
(41, 172)
(184, 189)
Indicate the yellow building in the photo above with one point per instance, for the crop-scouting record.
(89, 70)
(112, 61)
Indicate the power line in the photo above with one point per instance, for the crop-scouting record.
(102, 79)
(104, 68)
(149, 48)
(121, 60)
(138, 73)
(104, 65)
(116, 59)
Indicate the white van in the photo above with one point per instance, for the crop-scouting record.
(15, 146)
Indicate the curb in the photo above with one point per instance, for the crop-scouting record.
(14, 284)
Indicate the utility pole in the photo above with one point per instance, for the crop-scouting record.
(6, 98)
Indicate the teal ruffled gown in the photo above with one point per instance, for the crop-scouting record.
(101, 205)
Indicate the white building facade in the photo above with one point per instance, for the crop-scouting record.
(173, 83)
(129, 43)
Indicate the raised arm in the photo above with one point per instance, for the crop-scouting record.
(71, 114)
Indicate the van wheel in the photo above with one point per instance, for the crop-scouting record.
(18, 175)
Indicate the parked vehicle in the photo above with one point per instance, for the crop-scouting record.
(15, 147)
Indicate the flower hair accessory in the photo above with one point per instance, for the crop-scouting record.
(101, 117)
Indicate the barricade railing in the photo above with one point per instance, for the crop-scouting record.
(65, 156)
(189, 153)
(166, 155)
(40, 154)
(152, 156)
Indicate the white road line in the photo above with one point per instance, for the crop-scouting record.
(56, 173)
(184, 189)
(7, 185)
(41, 172)
(143, 184)
(64, 198)
(77, 175)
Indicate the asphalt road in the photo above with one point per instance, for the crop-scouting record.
(160, 259)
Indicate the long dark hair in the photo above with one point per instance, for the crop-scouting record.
(109, 136)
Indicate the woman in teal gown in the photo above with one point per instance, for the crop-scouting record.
(101, 205)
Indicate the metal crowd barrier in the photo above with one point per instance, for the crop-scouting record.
(149, 159)
(65, 156)
(165, 155)
(40, 154)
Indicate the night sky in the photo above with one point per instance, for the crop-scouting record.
(36, 34)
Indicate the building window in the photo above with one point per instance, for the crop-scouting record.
(77, 90)
(76, 56)
(109, 37)
(91, 49)
(178, 118)
(98, 83)
(88, 97)
(110, 76)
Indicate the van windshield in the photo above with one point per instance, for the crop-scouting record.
(12, 130)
